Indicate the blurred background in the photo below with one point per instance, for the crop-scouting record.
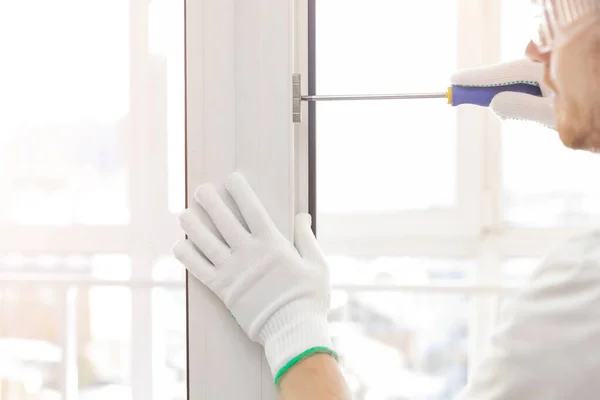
(92, 306)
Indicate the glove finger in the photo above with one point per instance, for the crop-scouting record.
(224, 219)
(209, 244)
(231, 204)
(511, 105)
(520, 71)
(194, 262)
(254, 213)
(305, 240)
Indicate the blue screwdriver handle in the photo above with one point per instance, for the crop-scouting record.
(483, 95)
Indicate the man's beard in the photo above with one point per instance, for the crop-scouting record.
(578, 117)
(578, 129)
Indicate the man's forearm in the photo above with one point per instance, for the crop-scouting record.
(317, 378)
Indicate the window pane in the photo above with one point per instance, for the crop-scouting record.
(390, 337)
(102, 318)
(383, 156)
(33, 323)
(169, 343)
(167, 268)
(546, 184)
(368, 46)
(398, 270)
(166, 40)
(517, 28)
(30, 343)
(368, 152)
(105, 343)
(402, 346)
(66, 112)
(31, 347)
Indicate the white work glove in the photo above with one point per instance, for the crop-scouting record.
(512, 105)
(279, 294)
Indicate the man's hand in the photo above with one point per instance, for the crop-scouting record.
(511, 105)
(279, 294)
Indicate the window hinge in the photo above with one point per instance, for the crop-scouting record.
(297, 99)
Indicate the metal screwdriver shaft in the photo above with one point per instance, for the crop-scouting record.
(357, 97)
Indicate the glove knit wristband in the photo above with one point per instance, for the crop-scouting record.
(293, 333)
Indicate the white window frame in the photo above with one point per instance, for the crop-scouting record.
(239, 65)
(240, 59)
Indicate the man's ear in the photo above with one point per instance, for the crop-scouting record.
(534, 54)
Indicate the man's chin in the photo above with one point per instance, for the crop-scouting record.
(577, 137)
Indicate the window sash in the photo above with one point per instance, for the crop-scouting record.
(240, 60)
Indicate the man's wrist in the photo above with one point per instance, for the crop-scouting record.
(317, 376)
(299, 358)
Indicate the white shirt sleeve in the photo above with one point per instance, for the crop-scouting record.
(547, 343)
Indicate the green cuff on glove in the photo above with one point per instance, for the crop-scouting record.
(290, 364)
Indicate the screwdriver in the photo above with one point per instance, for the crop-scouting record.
(455, 95)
